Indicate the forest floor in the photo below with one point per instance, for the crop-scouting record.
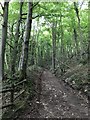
(56, 100)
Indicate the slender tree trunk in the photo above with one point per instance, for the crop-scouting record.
(2, 49)
(62, 42)
(37, 48)
(32, 52)
(53, 46)
(76, 43)
(89, 57)
(58, 38)
(24, 54)
(80, 32)
(62, 49)
(3, 40)
(89, 37)
(89, 48)
(20, 43)
(77, 11)
(33, 47)
(14, 53)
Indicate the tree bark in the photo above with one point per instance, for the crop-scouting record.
(3, 40)
(79, 27)
(2, 49)
(24, 54)
(76, 43)
(53, 46)
(89, 41)
(89, 56)
(14, 53)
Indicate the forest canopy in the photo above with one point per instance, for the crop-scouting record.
(61, 25)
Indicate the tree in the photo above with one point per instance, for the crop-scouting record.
(89, 42)
(17, 34)
(3, 40)
(24, 54)
(2, 47)
(80, 32)
(54, 24)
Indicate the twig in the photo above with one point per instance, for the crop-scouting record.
(10, 45)
(35, 5)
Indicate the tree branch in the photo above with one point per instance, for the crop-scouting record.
(24, 14)
(35, 4)
(77, 11)
(48, 15)
(42, 7)
(60, 62)
(36, 16)
(10, 45)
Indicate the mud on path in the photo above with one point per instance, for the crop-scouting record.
(57, 100)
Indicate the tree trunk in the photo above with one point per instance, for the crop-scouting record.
(32, 51)
(79, 27)
(89, 56)
(24, 54)
(53, 45)
(76, 43)
(62, 59)
(14, 53)
(3, 40)
(89, 42)
(2, 49)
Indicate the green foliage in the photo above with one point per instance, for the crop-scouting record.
(65, 18)
(13, 11)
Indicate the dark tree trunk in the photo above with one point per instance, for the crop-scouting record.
(24, 54)
(3, 40)
(76, 43)
(2, 49)
(53, 46)
(89, 56)
(79, 28)
(89, 49)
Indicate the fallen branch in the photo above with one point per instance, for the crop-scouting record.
(63, 64)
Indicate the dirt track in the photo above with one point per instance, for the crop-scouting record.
(57, 100)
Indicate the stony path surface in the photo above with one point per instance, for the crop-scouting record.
(57, 100)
